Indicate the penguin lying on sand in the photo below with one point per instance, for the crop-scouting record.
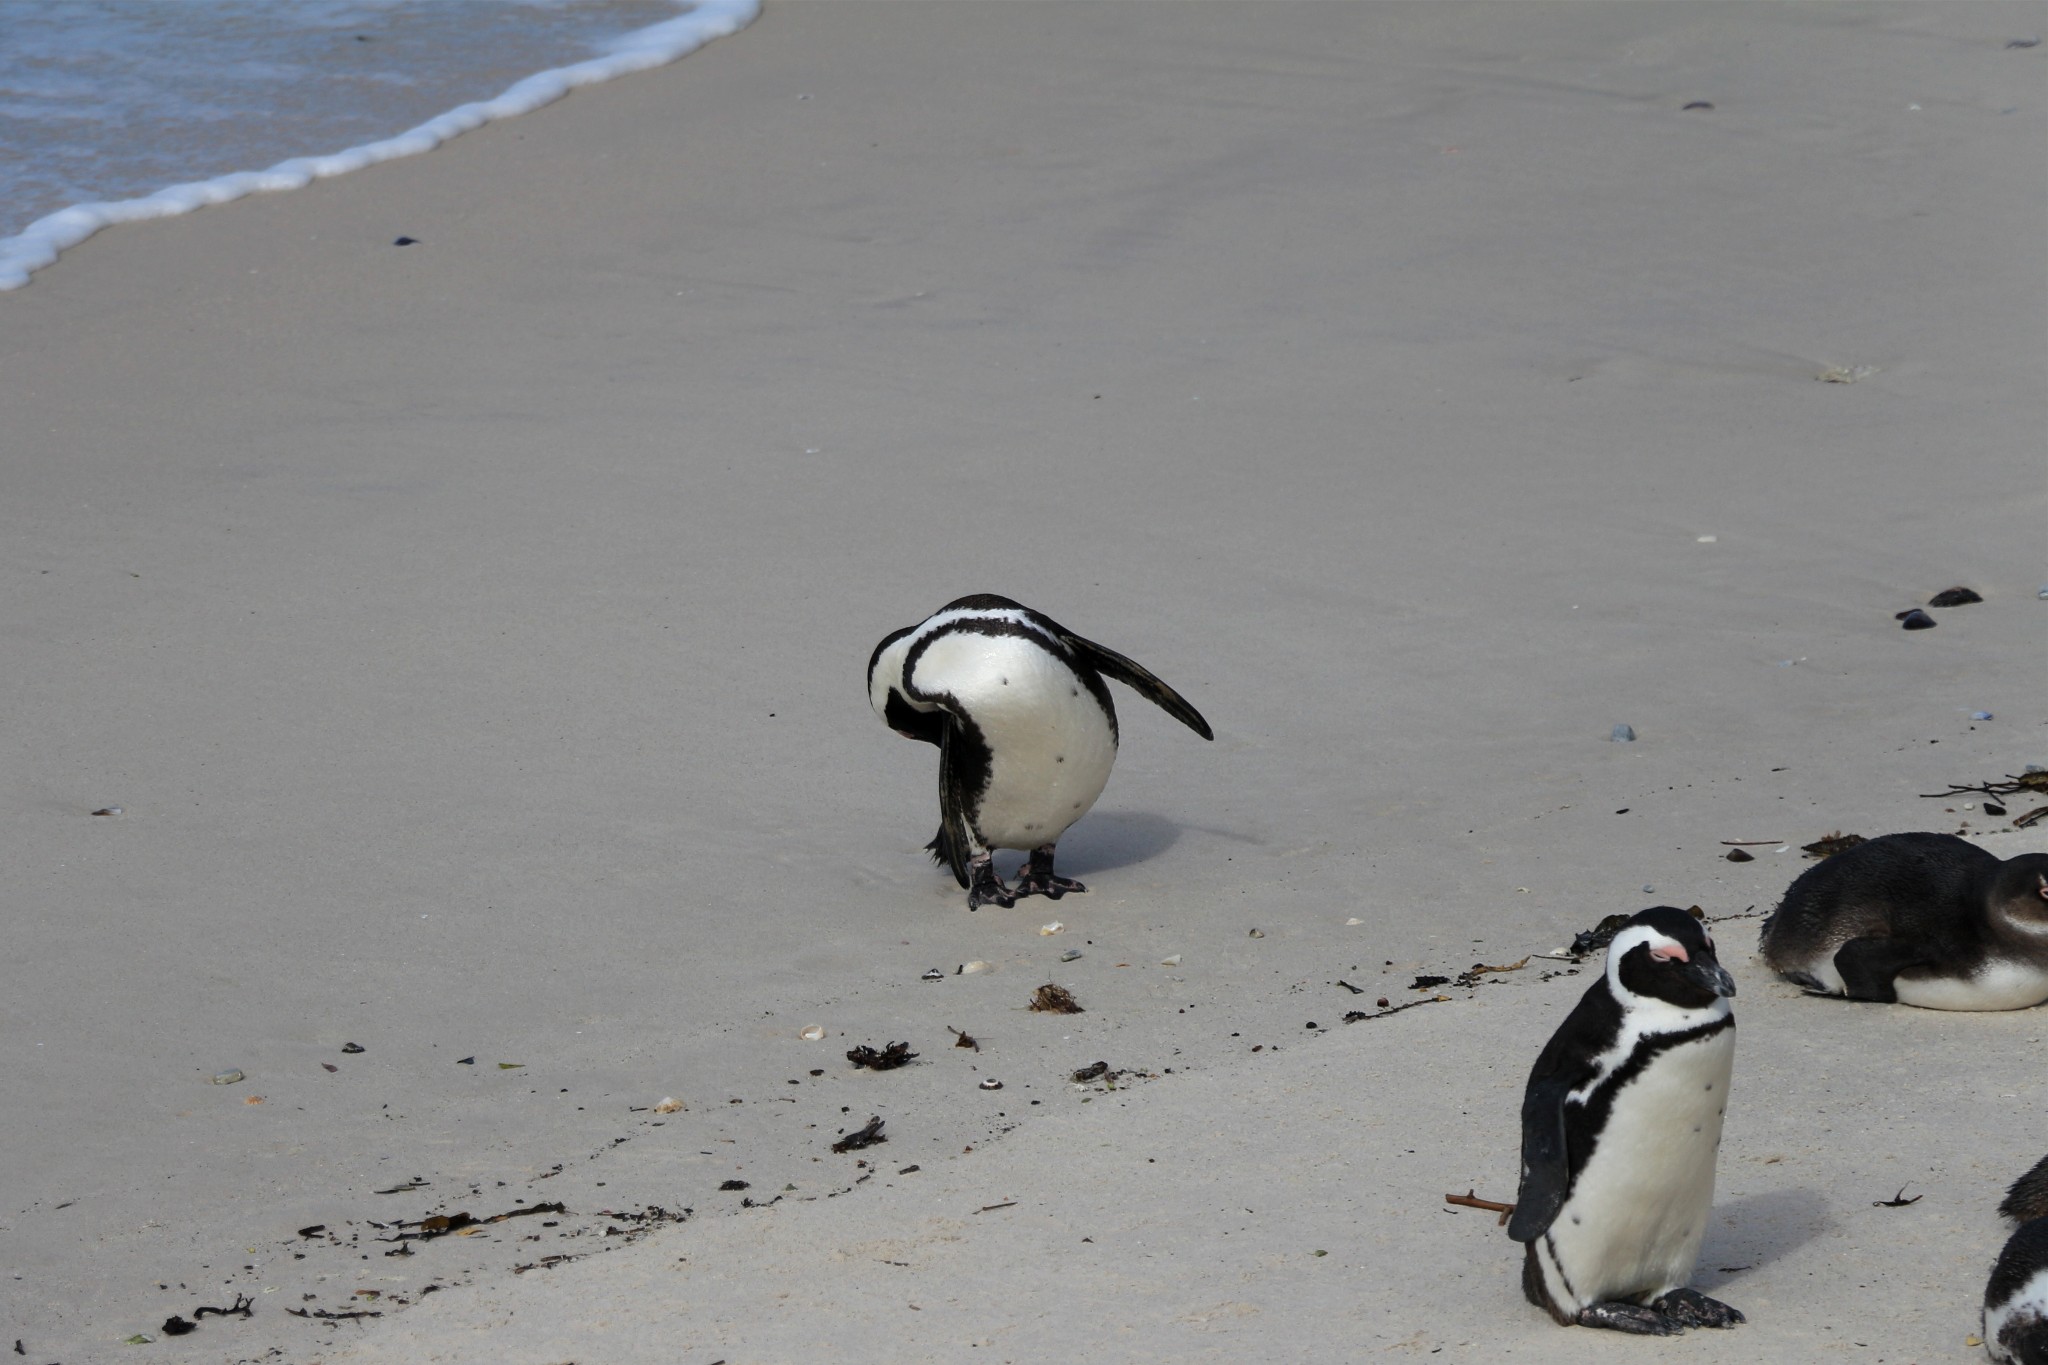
(1926, 919)
(1621, 1124)
(1025, 728)
(2016, 1299)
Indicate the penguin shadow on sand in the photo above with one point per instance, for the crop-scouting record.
(1754, 1230)
(1112, 839)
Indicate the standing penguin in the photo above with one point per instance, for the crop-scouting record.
(1621, 1124)
(2016, 1299)
(1925, 919)
(1025, 728)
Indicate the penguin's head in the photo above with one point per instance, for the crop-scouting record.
(2019, 897)
(886, 691)
(1665, 954)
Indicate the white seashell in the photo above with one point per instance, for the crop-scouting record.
(669, 1105)
(812, 1034)
(991, 1083)
(1354, 920)
(1054, 928)
(1708, 540)
(1173, 961)
(975, 967)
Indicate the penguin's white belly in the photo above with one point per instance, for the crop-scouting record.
(2000, 984)
(2025, 1309)
(1632, 1227)
(1050, 742)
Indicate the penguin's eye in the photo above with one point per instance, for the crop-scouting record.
(1665, 952)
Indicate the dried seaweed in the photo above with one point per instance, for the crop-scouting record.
(1829, 845)
(866, 1136)
(888, 1059)
(2031, 781)
(1051, 999)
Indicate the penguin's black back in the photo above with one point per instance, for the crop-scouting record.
(2028, 1197)
(1929, 887)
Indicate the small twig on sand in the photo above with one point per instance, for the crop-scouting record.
(1471, 1200)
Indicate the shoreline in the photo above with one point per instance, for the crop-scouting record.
(37, 246)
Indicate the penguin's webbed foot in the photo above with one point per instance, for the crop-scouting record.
(1633, 1318)
(985, 888)
(1035, 878)
(1694, 1309)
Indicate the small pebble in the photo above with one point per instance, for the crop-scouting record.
(108, 810)
(1050, 929)
(934, 974)
(1915, 619)
(1736, 855)
(991, 1083)
(1623, 734)
(1171, 961)
(1381, 1002)
(1354, 920)
(1954, 597)
(1258, 933)
(973, 968)
(1071, 955)
(351, 1048)
(812, 1034)
(2043, 593)
(1993, 808)
(1648, 889)
(227, 1077)
(1980, 715)
(1707, 540)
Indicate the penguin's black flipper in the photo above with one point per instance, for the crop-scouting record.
(1546, 1163)
(1870, 966)
(952, 841)
(1139, 679)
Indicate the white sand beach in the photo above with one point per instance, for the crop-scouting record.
(472, 633)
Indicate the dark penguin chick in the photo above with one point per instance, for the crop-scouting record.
(1026, 731)
(1924, 919)
(1621, 1124)
(2016, 1299)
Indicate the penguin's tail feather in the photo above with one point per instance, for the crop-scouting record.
(941, 849)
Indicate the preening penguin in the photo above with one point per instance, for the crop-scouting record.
(2016, 1299)
(1026, 731)
(1621, 1124)
(1925, 919)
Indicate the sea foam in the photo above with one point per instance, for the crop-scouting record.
(41, 242)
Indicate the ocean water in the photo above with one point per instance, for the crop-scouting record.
(114, 110)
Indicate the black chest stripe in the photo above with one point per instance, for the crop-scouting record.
(1585, 1122)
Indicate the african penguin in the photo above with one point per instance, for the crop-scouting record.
(1026, 731)
(2016, 1299)
(1621, 1123)
(1925, 919)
